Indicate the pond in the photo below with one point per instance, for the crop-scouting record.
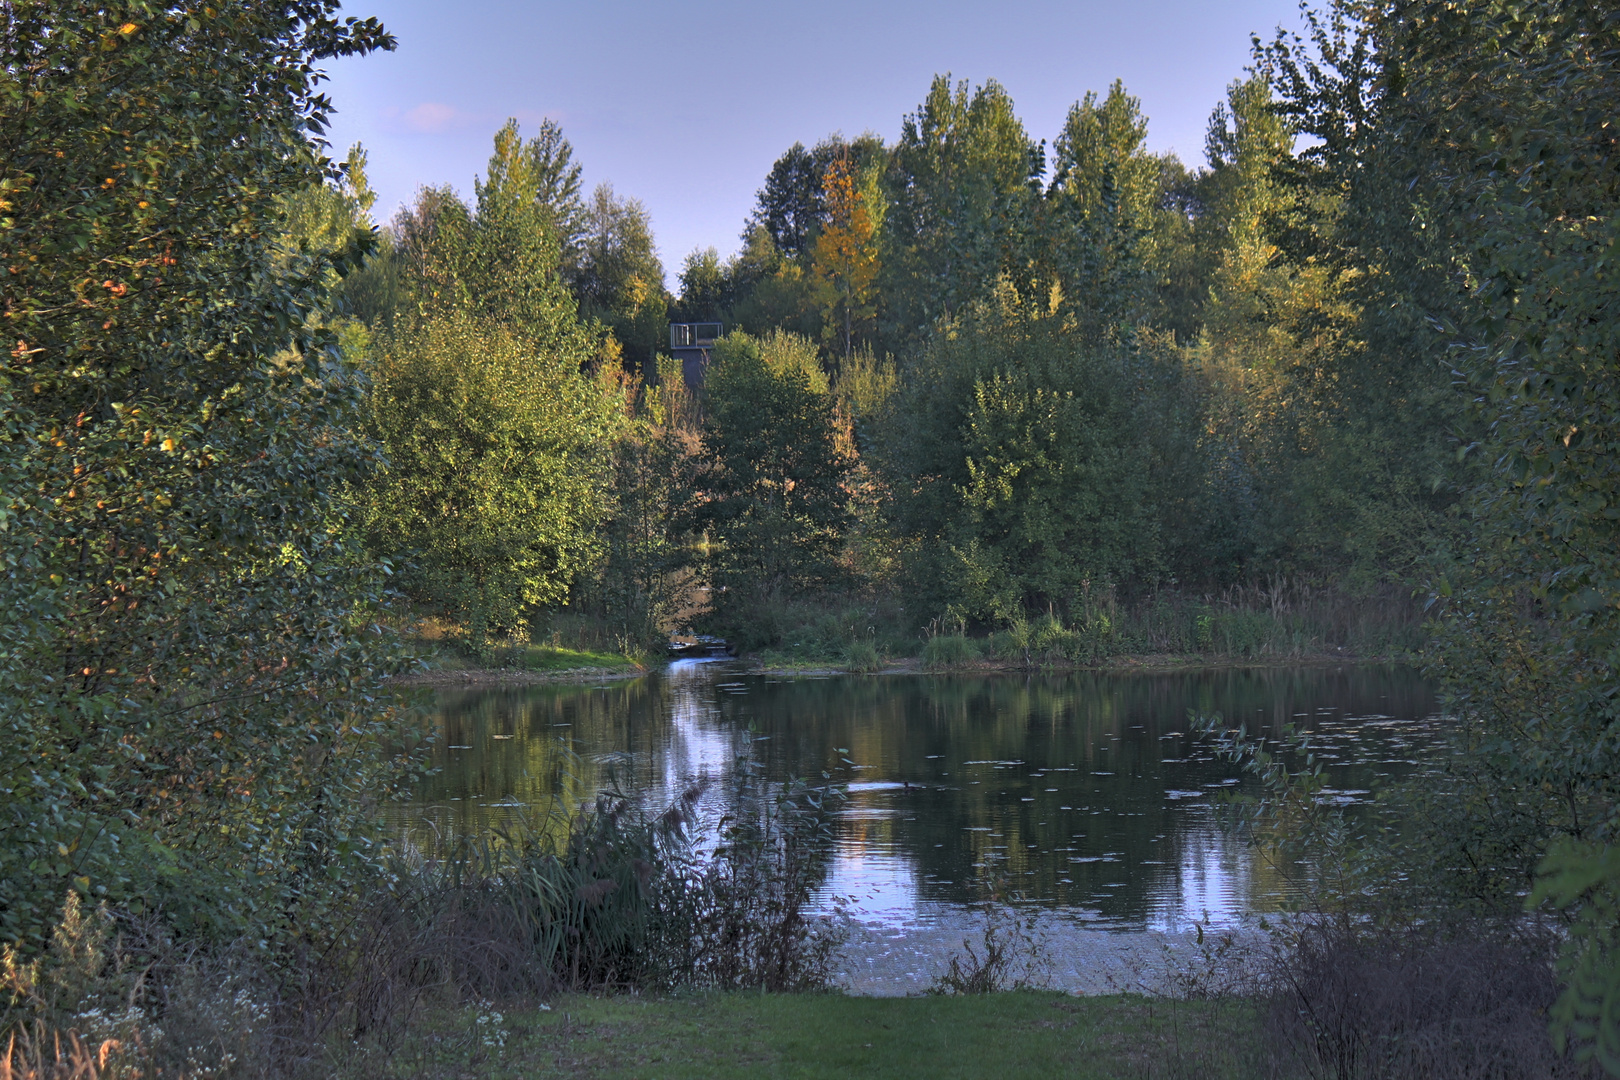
(1082, 792)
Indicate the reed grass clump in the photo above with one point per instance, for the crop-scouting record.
(948, 651)
(862, 657)
(1279, 619)
(38, 1052)
(1011, 953)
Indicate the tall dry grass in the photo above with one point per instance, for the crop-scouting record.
(37, 1052)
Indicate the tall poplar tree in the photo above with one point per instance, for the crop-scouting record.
(1101, 210)
(962, 182)
(617, 278)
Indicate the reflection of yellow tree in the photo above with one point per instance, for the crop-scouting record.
(846, 263)
(521, 761)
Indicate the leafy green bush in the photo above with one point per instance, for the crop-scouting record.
(1098, 637)
(1583, 878)
(1049, 457)
(187, 685)
(496, 477)
(1050, 642)
(1010, 644)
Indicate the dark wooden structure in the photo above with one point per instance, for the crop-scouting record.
(690, 344)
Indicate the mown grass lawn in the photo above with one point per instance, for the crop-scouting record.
(815, 1036)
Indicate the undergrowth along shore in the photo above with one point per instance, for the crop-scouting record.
(1283, 625)
(1349, 1002)
(608, 896)
(625, 667)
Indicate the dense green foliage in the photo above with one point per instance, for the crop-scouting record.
(498, 439)
(1207, 373)
(1463, 190)
(1035, 394)
(495, 476)
(960, 184)
(1514, 106)
(644, 576)
(776, 504)
(615, 274)
(1043, 465)
(186, 690)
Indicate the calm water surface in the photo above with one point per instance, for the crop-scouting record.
(1082, 790)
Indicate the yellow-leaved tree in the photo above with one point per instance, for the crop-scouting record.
(846, 259)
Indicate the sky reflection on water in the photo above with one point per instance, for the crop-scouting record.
(1080, 791)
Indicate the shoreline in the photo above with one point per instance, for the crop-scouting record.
(1140, 663)
(1049, 949)
(472, 677)
(1118, 665)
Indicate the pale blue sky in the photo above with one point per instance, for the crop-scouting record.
(686, 105)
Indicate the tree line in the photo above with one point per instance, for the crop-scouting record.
(1034, 385)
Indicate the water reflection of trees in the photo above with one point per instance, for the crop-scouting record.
(503, 749)
(1121, 847)
(1137, 849)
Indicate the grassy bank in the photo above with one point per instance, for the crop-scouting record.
(444, 654)
(532, 659)
(752, 1035)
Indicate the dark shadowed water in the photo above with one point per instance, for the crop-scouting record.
(1083, 791)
